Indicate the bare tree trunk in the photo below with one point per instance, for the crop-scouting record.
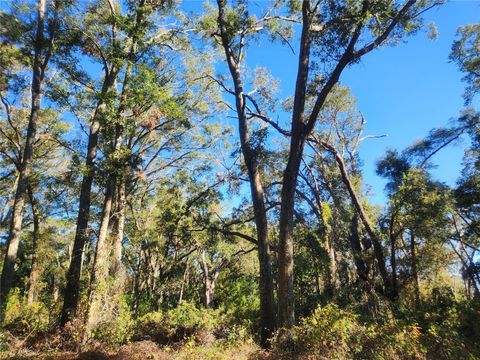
(35, 272)
(184, 281)
(55, 290)
(209, 285)
(209, 291)
(14, 234)
(250, 156)
(98, 290)
(72, 289)
(286, 302)
(377, 246)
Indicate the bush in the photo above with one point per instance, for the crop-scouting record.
(25, 319)
(447, 330)
(333, 333)
(178, 324)
(330, 331)
(116, 331)
(452, 331)
(392, 340)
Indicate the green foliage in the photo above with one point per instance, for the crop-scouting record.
(239, 299)
(177, 324)
(329, 330)
(422, 202)
(163, 134)
(25, 319)
(334, 333)
(116, 331)
(451, 327)
(466, 53)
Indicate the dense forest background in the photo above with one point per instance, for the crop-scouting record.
(161, 197)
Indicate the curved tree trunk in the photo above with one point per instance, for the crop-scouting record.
(377, 246)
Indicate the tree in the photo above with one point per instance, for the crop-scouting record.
(234, 27)
(466, 53)
(90, 42)
(45, 34)
(342, 38)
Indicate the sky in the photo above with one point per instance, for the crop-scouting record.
(403, 91)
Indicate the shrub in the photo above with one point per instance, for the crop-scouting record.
(177, 324)
(25, 319)
(334, 333)
(329, 331)
(392, 341)
(116, 331)
(452, 332)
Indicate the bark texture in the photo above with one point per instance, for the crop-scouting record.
(72, 289)
(250, 157)
(35, 272)
(39, 66)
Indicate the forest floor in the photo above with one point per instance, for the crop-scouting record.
(148, 350)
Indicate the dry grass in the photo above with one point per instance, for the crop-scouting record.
(148, 350)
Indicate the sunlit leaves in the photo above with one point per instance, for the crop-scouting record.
(466, 53)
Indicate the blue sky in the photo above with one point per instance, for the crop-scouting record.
(406, 90)
(403, 91)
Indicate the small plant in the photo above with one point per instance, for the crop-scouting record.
(116, 331)
(178, 324)
(25, 319)
(329, 330)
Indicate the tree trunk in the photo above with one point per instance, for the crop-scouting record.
(286, 312)
(118, 231)
(377, 246)
(81, 236)
(330, 282)
(184, 281)
(101, 264)
(72, 289)
(35, 272)
(393, 257)
(414, 269)
(99, 275)
(14, 235)
(209, 291)
(356, 245)
(250, 156)
(209, 285)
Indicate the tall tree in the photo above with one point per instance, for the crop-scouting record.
(373, 23)
(233, 45)
(91, 45)
(43, 45)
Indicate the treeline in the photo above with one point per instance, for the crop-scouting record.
(147, 168)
